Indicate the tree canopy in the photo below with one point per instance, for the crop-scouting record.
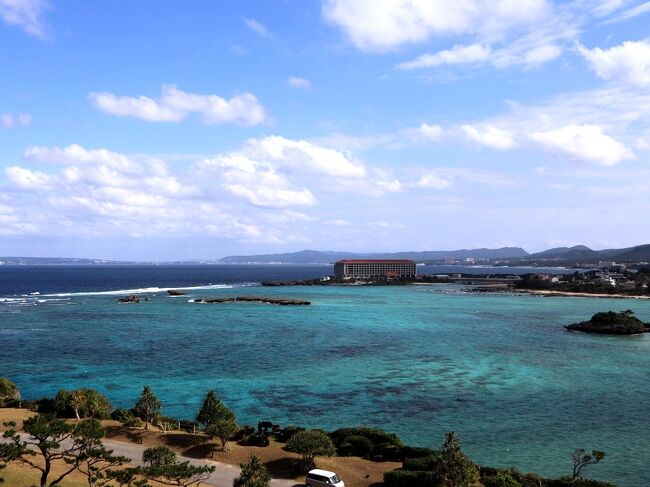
(310, 444)
(148, 406)
(253, 474)
(9, 392)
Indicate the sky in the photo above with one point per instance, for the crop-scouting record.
(184, 130)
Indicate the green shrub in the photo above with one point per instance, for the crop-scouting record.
(385, 452)
(502, 479)
(127, 418)
(427, 463)
(407, 452)
(287, 432)
(374, 435)
(243, 433)
(256, 439)
(402, 478)
(361, 446)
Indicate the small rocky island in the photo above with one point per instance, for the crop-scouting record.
(133, 298)
(612, 323)
(175, 292)
(255, 299)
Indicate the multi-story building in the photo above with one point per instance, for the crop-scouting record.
(374, 268)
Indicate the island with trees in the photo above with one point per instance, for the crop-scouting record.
(612, 323)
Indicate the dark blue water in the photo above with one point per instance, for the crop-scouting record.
(17, 280)
(416, 360)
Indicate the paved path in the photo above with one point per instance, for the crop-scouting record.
(222, 477)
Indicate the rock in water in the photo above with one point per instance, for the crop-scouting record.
(133, 298)
(612, 323)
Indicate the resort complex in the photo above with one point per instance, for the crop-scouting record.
(374, 268)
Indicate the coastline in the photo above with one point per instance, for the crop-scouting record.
(546, 293)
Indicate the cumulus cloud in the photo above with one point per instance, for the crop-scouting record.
(490, 136)
(9, 120)
(300, 83)
(380, 26)
(29, 180)
(584, 143)
(303, 155)
(176, 105)
(25, 14)
(627, 63)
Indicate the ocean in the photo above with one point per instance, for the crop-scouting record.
(416, 360)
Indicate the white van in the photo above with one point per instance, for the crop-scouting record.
(323, 478)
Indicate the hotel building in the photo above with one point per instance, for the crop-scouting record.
(374, 268)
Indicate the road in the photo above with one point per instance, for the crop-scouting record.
(222, 477)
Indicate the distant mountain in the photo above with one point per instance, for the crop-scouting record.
(328, 257)
(55, 261)
(578, 252)
(583, 254)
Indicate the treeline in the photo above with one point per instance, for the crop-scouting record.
(447, 466)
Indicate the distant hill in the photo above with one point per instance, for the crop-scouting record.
(327, 257)
(581, 253)
(55, 261)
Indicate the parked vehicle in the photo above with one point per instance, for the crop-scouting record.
(323, 478)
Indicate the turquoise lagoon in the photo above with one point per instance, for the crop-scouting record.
(416, 360)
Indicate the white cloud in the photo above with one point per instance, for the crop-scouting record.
(76, 154)
(29, 180)
(474, 53)
(542, 54)
(338, 222)
(372, 25)
(256, 27)
(628, 63)
(273, 197)
(430, 131)
(175, 105)
(636, 11)
(432, 181)
(303, 155)
(25, 14)
(584, 143)
(490, 136)
(9, 120)
(300, 83)
(606, 7)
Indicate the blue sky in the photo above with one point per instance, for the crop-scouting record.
(193, 130)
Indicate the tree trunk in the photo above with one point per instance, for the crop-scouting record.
(45, 472)
(76, 413)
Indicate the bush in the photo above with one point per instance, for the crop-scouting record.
(402, 478)
(407, 452)
(127, 418)
(361, 446)
(243, 433)
(374, 435)
(427, 463)
(502, 479)
(385, 452)
(287, 432)
(256, 439)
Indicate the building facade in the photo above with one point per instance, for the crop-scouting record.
(374, 268)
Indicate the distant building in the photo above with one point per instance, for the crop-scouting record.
(374, 268)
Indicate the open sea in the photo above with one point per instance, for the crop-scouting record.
(416, 360)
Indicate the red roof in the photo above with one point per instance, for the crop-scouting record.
(374, 261)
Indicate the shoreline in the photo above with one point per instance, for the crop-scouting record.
(545, 293)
